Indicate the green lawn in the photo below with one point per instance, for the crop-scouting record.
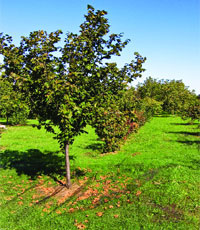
(153, 182)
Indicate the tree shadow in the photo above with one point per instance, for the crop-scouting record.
(188, 123)
(33, 162)
(3, 123)
(195, 164)
(197, 134)
(186, 139)
(95, 146)
(189, 142)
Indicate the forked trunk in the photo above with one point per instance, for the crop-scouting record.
(67, 166)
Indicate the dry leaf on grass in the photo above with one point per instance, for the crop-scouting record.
(80, 226)
(71, 210)
(99, 213)
(138, 193)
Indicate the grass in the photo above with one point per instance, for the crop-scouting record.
(151, 183)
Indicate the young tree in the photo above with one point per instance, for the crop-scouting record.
(150, 88)
(175, 96)
(63, 90)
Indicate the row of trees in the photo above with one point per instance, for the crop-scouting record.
(68, 87)
(174, 97)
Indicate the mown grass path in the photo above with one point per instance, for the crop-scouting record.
(152, 183)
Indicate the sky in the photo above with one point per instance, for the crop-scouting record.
(167, 32)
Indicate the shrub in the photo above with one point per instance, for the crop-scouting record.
(19, 116)
(110, 125)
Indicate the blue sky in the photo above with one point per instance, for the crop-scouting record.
(167, 32)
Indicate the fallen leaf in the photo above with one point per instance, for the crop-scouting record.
(136, 153)
(80, 226)
(58, 212)
(138, 193)
(71, 210)
(99, 213)
(116, 216)
(20, 202)
(45, 210)
(103, 177)
(47, 206)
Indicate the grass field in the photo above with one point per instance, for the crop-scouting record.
(153, 182)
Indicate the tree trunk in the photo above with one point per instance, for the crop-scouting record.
(67, 166)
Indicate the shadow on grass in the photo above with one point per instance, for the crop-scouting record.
(189, 142)
(3, 123)
(197, 134)
(33, 162)
(186, 139)
(188, 123)
(95, 146)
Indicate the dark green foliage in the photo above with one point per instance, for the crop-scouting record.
(150, 107)
(192, 109)
(111, 126)
(150, 88)
(117, 119)
(12, 106)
